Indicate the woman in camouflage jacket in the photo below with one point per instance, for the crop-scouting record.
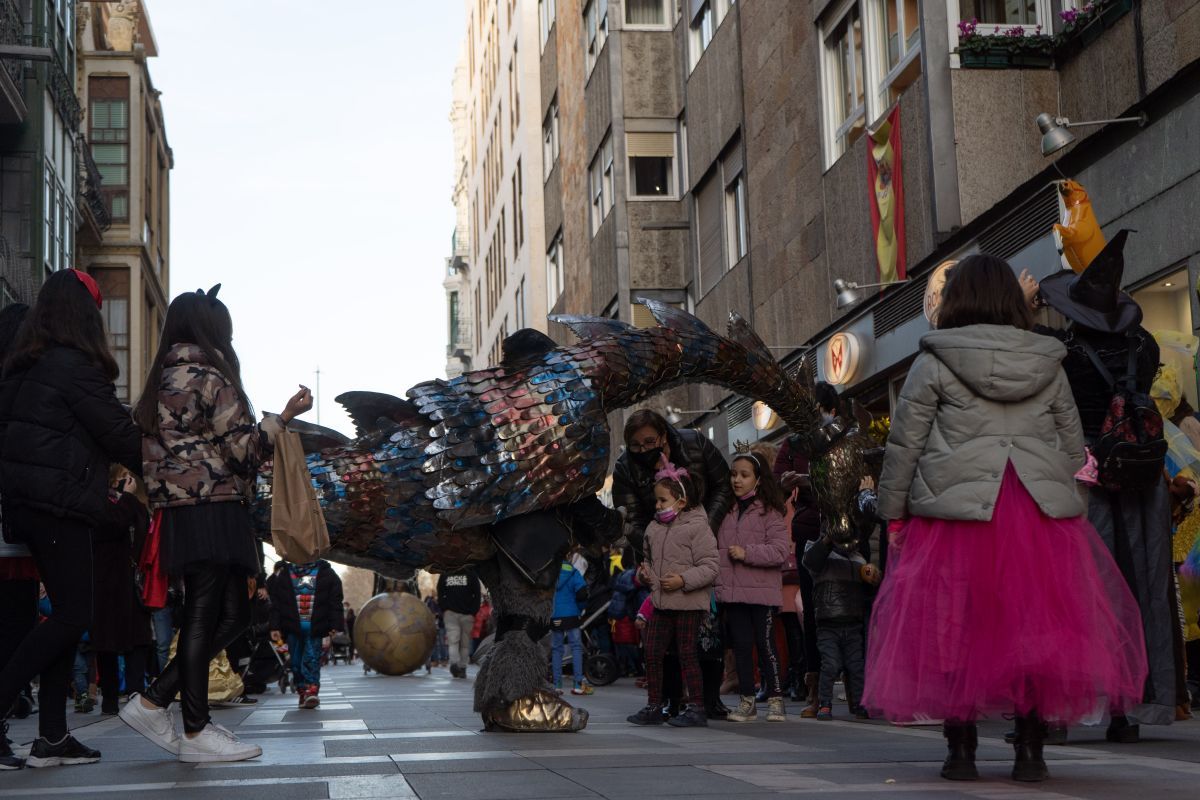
(201, 448)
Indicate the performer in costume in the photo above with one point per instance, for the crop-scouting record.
(1134, 523)
(1000, 590)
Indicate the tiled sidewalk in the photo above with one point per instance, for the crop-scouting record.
(416, 737)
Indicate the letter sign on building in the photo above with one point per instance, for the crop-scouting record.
(842, 356)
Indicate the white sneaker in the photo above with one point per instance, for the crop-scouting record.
(215, 743)
(155, 724)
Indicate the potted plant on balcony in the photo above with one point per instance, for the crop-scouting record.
(1084, 25)
(1013, 48)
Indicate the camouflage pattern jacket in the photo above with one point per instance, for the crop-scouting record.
(208, 446)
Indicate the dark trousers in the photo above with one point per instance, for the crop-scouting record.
(748, 625)
(62, 550)
(18, 600)
(841, 646)
(216, 610)
(797, 658)
(812, 657)
(681, 628)
(110, 679)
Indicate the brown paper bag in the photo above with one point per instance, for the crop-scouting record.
(298, 530)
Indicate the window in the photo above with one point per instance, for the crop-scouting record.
(545, 19)
(651, 164)
(845, 102)
(109, 136)
(708, 232)
(600, 179)
(707, 16)
(520, 304)
(550, 138)
(518, 191)
(872, 54)
(735, 219)
(554, 272)
(648, 13)
(596, 29)
(999, 12)
(899, 26)
(114, 285)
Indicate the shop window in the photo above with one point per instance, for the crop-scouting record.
(1167, 313)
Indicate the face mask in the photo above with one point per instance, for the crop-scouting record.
(748, 494)
(647, 459)
(826, 418)
(666, 516)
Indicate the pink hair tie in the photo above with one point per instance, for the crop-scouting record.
(670, 472)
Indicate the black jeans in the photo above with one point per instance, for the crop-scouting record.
(748, 625)
(216, 610)
(62, 550)
(841, 646)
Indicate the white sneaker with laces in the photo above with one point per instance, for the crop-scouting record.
(215, 743)
(153, 723)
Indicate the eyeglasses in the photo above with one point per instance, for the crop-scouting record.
(646, 444)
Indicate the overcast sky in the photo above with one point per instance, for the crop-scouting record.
(313, 164)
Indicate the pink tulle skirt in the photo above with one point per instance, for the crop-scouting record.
(1023, 613)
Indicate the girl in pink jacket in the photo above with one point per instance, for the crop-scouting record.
(753, 545)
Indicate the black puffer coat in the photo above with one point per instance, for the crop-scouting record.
(633, 485)
(327, 613)
(839, 593)
(61, 427)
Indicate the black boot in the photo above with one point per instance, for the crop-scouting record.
(7, 759)
(650, 715)
(962, 738)
(1029, 764)
(1122, 732)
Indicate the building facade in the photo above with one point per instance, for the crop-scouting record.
(126, 131)
(495, 283)
(42, 200)
(719, 154)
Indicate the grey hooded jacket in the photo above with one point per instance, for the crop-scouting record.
(976, 398)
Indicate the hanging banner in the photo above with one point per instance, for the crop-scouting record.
(887, 197)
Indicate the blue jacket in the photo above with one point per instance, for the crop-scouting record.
(570, 581)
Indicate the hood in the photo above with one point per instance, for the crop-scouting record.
(999, 362)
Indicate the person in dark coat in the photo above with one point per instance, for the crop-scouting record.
(120, 624)
(1134, 523)
(648, 438)
(306, 606)
(61, 426)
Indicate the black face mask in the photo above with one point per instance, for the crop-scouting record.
(647, 459)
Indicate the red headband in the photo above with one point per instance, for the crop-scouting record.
(89, 283)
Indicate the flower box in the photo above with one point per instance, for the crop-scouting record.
(1113, 11)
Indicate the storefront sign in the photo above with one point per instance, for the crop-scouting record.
(933, 291)
(764, 416)
(842, 356)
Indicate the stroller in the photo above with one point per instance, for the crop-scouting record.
(269, 663)
(599, 666)
(339, 648)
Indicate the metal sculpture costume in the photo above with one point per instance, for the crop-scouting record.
(500, 467)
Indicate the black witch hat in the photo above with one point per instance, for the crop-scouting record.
(1093, 298)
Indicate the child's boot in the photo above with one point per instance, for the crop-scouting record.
(775, 710)
(747, 710)
(810, 683)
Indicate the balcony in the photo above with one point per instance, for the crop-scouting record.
(91, 199)
(62, 89)
(12, 76)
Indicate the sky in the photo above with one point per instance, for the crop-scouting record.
(312, 179)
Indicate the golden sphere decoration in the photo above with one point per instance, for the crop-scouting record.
(394, 633)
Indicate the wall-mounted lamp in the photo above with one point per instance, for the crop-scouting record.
(1055, 135)
(675, 415)
(847, 291)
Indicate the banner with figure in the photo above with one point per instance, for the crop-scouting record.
(887, 197)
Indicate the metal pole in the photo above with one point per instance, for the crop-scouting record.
(318, 394)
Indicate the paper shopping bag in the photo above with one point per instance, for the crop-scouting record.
(298, 529)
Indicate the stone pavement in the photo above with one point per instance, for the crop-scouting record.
(415, 737)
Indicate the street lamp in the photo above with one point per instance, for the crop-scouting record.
(675, 415)
(1055, 135)
(847, 291)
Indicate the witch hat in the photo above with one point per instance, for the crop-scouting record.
(1093, 298)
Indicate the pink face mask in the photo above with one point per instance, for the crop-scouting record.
(666, 516)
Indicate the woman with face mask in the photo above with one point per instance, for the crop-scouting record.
(648, 438)
(753, 544)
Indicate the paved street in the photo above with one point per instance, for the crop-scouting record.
(415, 737)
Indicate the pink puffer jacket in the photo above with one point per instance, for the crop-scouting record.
(765, 539)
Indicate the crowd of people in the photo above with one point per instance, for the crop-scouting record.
(1014, 553)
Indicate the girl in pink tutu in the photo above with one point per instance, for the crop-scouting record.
(1000, 598)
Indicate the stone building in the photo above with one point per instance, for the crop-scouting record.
(760, 112)
(495, 280)
(123, 116)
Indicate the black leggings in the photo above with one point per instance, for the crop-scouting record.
(18, 600)
(216, 610)
(62, 550)
(747, 625)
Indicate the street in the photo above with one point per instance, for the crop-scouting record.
(416, 737)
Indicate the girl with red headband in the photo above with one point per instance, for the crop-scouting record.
(61, 426)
